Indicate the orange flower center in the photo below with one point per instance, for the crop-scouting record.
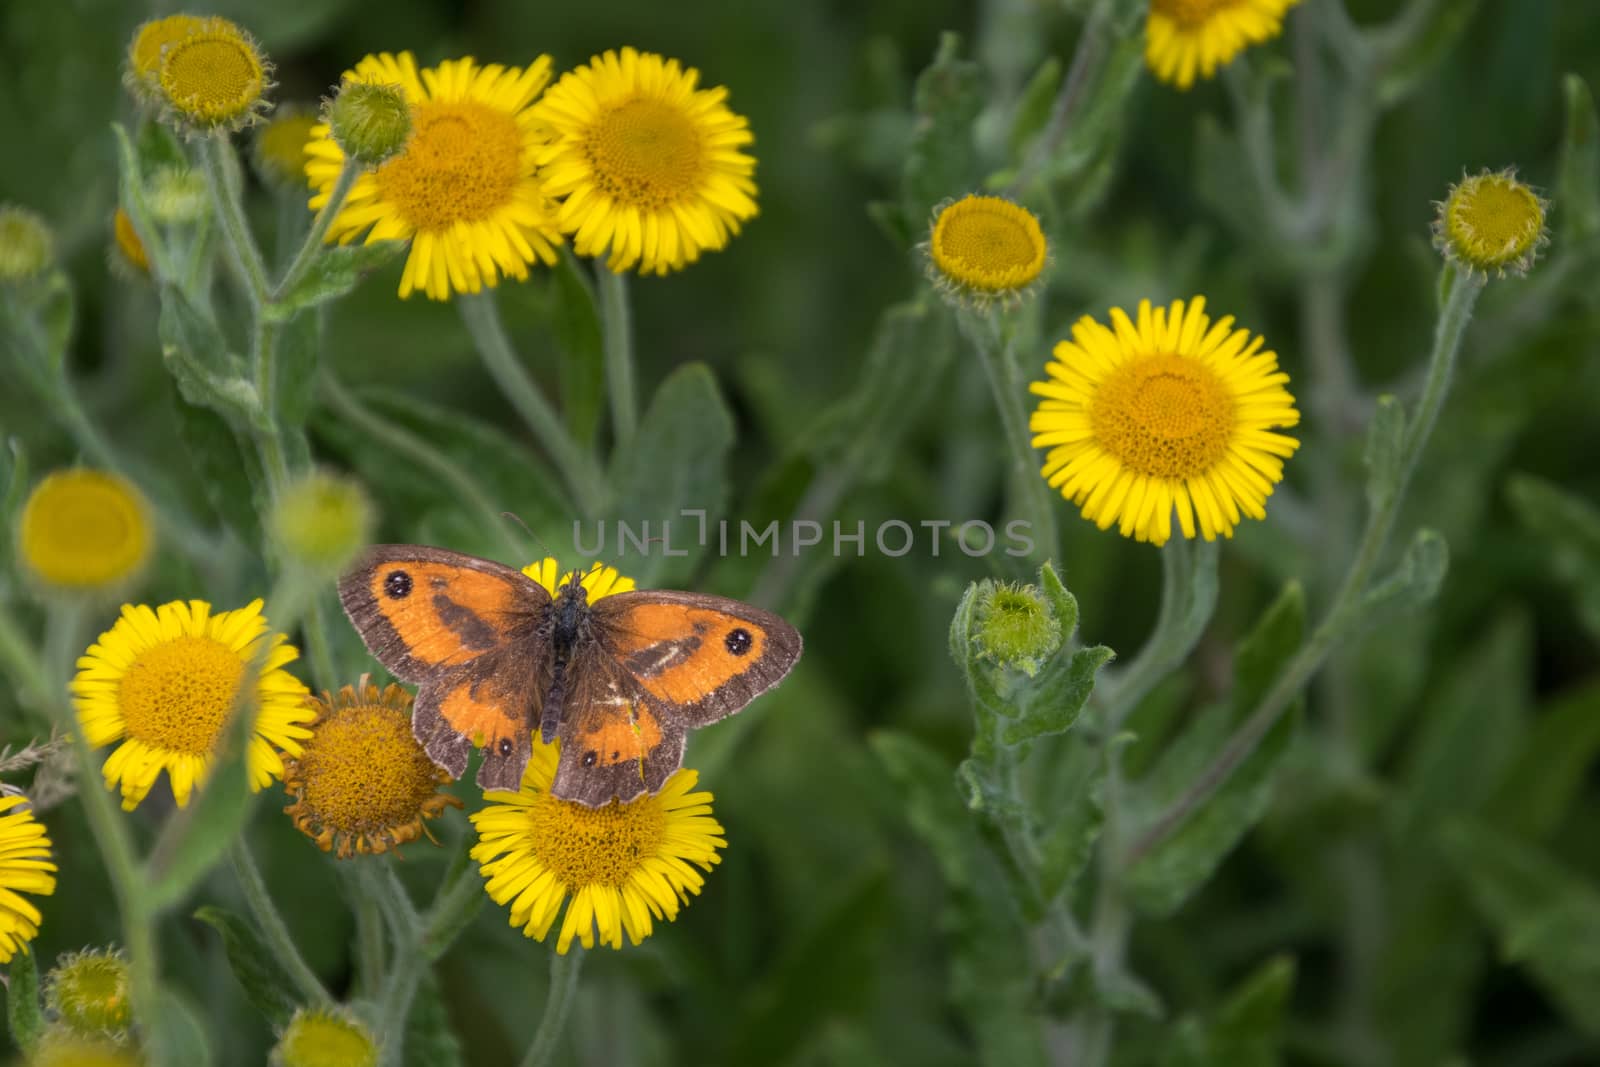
(645, 153)
(1164, 416)
(364, 772)
(462, 165)
(177, 695)
(595, 846)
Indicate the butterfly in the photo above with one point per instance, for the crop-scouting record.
(619, 681)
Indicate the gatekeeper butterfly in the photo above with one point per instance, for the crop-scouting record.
(619, 681)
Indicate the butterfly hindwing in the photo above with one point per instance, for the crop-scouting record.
(489, 704)
(617, 740)
(701, 657)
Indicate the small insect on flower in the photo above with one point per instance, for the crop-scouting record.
(621, 865)
(324, 1037)
(88, 992)
(1491, 222)
(1183, 36)
(1166, 413)
(651, 168)
(25, 867)
(163, 682)
(84, 530)
(27, 247)
(985, 250)
(214, 77)
(362, 783)
(464, 191)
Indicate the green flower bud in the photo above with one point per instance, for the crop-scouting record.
(60, 1046)
(370, 122)
(325, 1037)
(27, 248)
(88, 992)
(1015, 626)
(177, 194)
(322, 521)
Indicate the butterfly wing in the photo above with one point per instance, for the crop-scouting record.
(617, 740)
(466, 631)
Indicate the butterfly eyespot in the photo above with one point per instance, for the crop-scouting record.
(397, 585)
(505, 746)
(738, 641)
(590, 758)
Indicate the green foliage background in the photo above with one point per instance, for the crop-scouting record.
(1418, 882)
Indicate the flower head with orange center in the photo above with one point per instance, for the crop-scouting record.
(651, 167)
(464, 191)
(1166, 413)
(362, 783)
(25, 867)
(984, 250)
(84, 530)
(1491, 222)
(164, 682)
(1186, 36)
(213, 77)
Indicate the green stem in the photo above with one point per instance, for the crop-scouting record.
(404, 445)
(311, 247)
(458, 901)
(564, 970)
(999, 364)
(1344, 612)
(273, 929)
(616, 321)
(407, 962)
(222, 179)
(583, 478)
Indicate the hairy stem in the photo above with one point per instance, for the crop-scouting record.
(273, 929)
(222, 180)
(616, 320)
(564, 970)
(311, 247)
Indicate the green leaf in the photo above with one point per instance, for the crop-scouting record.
(1577, 193)
(156, 146)
(987, 700)
(1409, 53)
(23, 1015)
(299, 350)
(1246, 1031)
(1035, 104)
(942, 161)
(176, 1034)
(1546, 918)
(1550, 767)
(196, 353)
(1185, 858)
(1413, 583)
(264, 982)
(677, 460)
(1570, 526)
(429, 1040)
(1385, 445)
(932, 806)
(336, 270)
(1056, 698)
(228, 472)
(1068, 830)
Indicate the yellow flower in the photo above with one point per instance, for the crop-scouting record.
(1182, 35)
(650, 166)
(464, 192)
(280, 146)
(84, 530)
(88, 992)
(163, 683)
(143, 72)
(213, 77)
(62, 1047)
(598, 581)
(362, 783)
(325, 1037)
(1171, 412)
(1491, 222)
(985, 249)
(25, 867)
(622, 865)
(129, 249)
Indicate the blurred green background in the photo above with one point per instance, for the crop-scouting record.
(822, 937)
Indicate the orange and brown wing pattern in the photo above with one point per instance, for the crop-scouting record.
(617, 741)
(425, 612)
(489, 704)
(702, 657)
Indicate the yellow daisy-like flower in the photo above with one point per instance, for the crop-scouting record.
(1491, 222)
(622, 865)
(650, 166)
(25, 867)
(214, 77)
(362, 784)
(1182, 36)
(83, 530)
(984, 250)
(142, 74)
(1168, 413)
(163, 682)
(599, 580)
(465, 191)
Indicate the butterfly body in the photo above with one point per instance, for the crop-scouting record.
(618, 681)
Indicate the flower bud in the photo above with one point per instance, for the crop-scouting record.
(370, 122)
(1015, 626)
(322, 521)
(27, 248)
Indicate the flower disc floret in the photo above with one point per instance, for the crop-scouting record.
(1169, 413)
(465, 190)
(1185, 37)
(651, 168)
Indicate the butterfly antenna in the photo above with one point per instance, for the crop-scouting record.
(535, 538)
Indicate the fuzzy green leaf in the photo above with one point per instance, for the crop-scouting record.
(176, 1033)
(1408, 57)
(1570, 526)
(228, 473)
(299, 351)
(335, 271)
(942, 161)
(1577, 192)
(1263, 654)
(24, 1017)
(195, 838)
(678, 459)
(1035, 104)
(1385, 445)
(430, 1042)
(196, 353)
(264, 982)
(1413, 583)
(1069, 827)
(1547, 773)
(1546, 918)
(932, 806)
(1246, 1031)
(1055, 699)
(575, 322)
